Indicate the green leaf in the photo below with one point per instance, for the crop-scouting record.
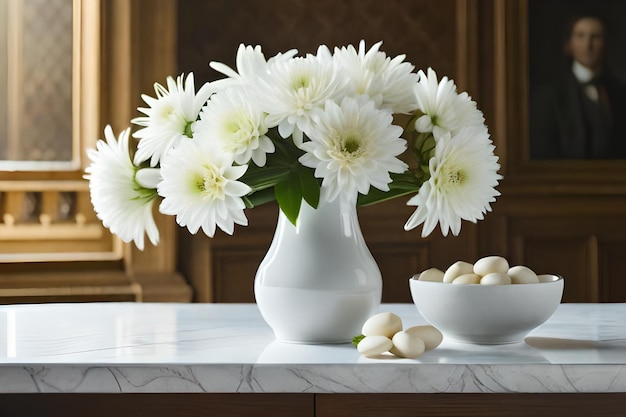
(289, 197)
(357, 339)
(309, 185)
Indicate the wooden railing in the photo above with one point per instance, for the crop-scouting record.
(51, 220)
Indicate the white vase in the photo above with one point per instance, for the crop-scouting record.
(318, 282)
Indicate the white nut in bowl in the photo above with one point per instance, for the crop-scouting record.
(407, 345)
(490, 264)
(371, 346)
(467, 279)
(432, 274)
(495, 278)
(522, 275)
(547, 278)
(457, 269)
(430, 335)
(382, 324)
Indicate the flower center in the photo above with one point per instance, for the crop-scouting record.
(211, 183)
(233, 127)
(351, 145)
(167, 111)
(300, 82)
(239, 134)
(348, 148)
(455, 177)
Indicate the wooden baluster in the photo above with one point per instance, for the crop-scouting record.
(49, 208)
(13, 204)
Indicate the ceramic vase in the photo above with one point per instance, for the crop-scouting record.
(318, 282)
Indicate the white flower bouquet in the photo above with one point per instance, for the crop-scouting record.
(291, 129)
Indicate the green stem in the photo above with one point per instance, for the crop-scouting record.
(264, 179)
(403, 184)
(258, 198)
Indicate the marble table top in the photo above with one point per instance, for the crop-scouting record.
(152, 347)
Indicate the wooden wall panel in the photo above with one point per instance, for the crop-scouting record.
(612, 269)
(236, 268)
(426, 31)
(587, 250)
(546, 255)
(566, 217)
(397, 264)
(222, 269)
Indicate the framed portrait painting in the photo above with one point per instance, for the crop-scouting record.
(577, 79)
(559, 121)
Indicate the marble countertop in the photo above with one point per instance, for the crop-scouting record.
(144, 347)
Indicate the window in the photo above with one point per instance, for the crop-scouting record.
(36, 77)
(57, 90)
(44, 205)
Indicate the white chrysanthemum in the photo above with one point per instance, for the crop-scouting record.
(237, 126)
(250, 63)
(120, 202)
(444, 109)
(200, 188)
(388, 82)
(169, 118)
(352, 147)
(464, 174)
(294, 89)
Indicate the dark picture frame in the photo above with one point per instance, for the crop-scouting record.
(560, 113)
(505, 78)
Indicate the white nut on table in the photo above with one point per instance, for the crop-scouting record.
(407, 345)
(430, 335)
(371, 346)
(382, 324)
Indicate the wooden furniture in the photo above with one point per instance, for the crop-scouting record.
(220, 360)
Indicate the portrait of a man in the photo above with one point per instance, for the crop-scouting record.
(580, 113)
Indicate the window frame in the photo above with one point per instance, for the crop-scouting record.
(123, 47)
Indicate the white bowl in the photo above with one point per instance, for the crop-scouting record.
(486, 314)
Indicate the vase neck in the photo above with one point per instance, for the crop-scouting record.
(329, 217)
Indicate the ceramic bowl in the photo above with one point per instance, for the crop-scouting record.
(486, 314)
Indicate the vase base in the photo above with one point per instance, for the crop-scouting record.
(307, 316)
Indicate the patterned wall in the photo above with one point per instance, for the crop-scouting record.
(37, 80)
(47, 87)
(211, 30)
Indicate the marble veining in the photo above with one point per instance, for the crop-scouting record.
(134, 347)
